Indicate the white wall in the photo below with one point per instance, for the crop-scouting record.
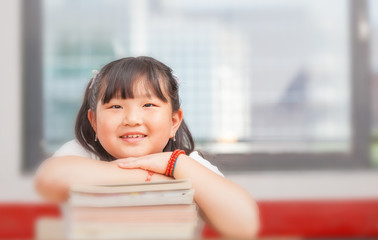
(13, 186)
(16, 187)
(276, 185)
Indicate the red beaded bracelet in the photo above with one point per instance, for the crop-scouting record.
(172, 162)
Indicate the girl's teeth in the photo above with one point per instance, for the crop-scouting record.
(133, 136)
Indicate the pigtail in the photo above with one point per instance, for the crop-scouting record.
(83, 129)
(184, 140)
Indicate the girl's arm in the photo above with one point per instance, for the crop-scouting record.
(55, 175)
(227, 207)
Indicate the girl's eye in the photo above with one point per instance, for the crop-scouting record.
(116, 106)
(149, 105)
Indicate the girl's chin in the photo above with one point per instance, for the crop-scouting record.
(133, 151)
(134, 154)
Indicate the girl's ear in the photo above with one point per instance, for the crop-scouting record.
(92, 119)
(176, 121)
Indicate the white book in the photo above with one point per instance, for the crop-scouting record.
(177, 184)
(134, 231)
(133, 199)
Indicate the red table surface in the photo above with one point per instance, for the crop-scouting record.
(307, 218)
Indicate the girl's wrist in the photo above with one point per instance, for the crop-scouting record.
(170, 169)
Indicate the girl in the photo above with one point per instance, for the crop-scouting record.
(131, 119)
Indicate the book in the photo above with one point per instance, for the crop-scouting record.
(179, 184)
(136, 194)
(163, 213)
(141, 222)
(101, 230)
(143, 210)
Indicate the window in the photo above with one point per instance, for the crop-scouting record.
(264, 84)
(373, 14)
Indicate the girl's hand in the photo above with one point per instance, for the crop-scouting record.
(154, 162)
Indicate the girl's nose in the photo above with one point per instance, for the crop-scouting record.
(132, 117)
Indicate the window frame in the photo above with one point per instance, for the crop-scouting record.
(357, 158)
(32, 84)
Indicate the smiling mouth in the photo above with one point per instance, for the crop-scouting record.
(134, 136)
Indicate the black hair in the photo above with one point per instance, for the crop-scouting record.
(117, 79)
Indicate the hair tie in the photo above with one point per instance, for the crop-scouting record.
(175, 77)
(95, 73)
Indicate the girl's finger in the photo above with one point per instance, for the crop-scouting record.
(128, 164)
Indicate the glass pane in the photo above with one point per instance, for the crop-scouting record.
(266, 75)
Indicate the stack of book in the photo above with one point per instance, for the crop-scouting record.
(147, 210)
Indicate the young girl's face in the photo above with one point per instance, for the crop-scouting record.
(136, 126)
